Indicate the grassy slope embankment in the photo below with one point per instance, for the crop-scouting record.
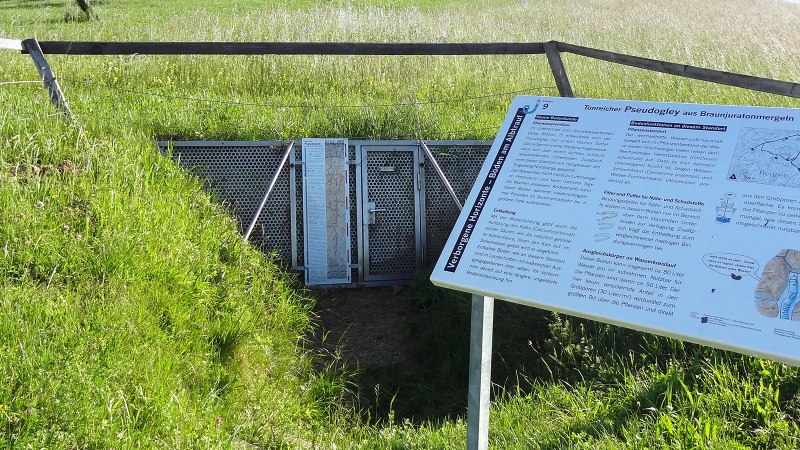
(131, 315)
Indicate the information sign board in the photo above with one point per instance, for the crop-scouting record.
(677, 219)
(326, 211)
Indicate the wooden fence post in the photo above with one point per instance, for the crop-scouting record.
(557, 66)
(48, 78)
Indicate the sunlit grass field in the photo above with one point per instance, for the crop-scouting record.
(131, 315)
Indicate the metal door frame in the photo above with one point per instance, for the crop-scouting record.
(362, 148)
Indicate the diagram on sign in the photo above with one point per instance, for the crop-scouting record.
(336, 205)
(605, 222)
(776, 294)
(326, 232)
(726, 208)
(767, 156)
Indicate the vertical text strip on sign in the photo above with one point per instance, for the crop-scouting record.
(326, 211)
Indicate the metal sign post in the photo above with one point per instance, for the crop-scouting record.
(480, 372)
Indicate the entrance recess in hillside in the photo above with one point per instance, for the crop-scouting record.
(401, 210)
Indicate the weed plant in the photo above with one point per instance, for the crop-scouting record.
(132, 316)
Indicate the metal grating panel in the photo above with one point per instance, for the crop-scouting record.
(351, 153)
(298, 181)
(460, 164)
(395, 229)
(238, 176)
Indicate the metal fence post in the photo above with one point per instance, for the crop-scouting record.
(271, 185)
(441, 174)
(48, 78)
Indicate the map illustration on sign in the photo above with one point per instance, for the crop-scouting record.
(767, 156)
(776, 294)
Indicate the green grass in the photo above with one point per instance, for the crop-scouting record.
(131, 313)
(132, 316)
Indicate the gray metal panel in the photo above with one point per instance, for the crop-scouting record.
(460, 163)
(238, 176)
(236, 144)
(354, 196)
(359, 210)
(298, 199)
(293, 204)
(414, 142)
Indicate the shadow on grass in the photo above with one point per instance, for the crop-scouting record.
(530, 347)
(633, 375)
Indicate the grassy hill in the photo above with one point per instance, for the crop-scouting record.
(131, 315)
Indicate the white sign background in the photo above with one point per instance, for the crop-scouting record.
(677, 219)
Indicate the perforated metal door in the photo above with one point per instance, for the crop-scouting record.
(390, 212)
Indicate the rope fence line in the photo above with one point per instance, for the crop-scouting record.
(28, 119)
(416, 136)
(405, 136)
(11, 44)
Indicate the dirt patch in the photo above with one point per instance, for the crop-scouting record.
(369, 326)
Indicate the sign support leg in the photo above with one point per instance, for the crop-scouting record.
(480, 372)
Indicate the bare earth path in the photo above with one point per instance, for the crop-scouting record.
(370, 326)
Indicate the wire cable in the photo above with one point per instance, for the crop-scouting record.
(2, 83)
(314, 106)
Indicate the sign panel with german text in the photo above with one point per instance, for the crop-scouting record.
(677, 219)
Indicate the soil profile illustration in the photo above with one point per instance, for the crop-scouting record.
(776, 293)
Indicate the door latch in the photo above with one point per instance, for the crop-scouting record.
(372, 210)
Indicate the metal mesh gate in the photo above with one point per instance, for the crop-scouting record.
(392, 228)
(238, 174)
